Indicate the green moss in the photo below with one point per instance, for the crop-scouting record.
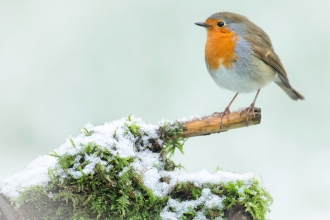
(169, 130)
(114, 190)
(36, 203)
(254, 198)
(106, 194)
(190, 214)
(133, 128)
(237, 195)
(185, 191)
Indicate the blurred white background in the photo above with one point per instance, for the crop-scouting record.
(66, 63)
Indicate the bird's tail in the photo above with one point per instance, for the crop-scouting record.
(290, 91)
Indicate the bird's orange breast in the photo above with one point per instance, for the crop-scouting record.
(220, 48)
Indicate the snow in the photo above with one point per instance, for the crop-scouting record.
(184, 119)
(152, 176)
(207, 199)
(116, 138)
(36, 173)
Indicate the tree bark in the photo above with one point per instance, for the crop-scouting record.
(211, 124)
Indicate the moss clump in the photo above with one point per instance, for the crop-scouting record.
(168, 130)
(35, 203)
(93, 180)
(255, 199)
(112, 192)
(247, 198)
(186, 191)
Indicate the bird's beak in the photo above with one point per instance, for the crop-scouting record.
(203, 24)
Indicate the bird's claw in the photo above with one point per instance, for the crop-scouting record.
(249, 110)
(225, 112)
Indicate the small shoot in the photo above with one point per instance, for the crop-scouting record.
(86, 132)
(71, 140)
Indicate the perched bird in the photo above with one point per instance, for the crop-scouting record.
(240, 57)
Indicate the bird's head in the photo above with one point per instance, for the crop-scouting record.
(224, 22)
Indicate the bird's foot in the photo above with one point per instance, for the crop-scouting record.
(225, 112)
(249, 110)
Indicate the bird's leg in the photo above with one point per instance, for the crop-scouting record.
(225, 112)
(250, 109)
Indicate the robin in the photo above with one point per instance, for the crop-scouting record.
(240, 57)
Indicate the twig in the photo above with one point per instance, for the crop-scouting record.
(211, 124)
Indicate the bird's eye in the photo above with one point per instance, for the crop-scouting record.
(221, 24)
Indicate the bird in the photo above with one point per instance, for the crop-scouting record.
(240, 57)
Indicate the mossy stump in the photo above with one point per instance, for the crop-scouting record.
(121, 170)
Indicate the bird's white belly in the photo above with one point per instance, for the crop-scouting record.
(245, 80)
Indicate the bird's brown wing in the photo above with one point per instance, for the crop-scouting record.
(262, 47)
(273, 60)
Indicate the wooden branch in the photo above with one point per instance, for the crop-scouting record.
(211, 124)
